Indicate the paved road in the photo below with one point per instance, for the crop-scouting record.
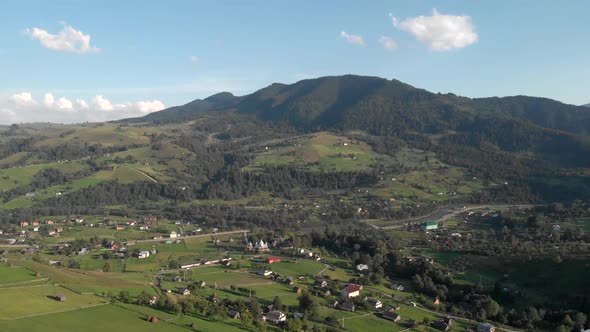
(447, 212)
(240, 231)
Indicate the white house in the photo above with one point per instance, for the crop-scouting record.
(351, 291)
(362, 267)
(275, 317)
(144, 254)
(173, 235)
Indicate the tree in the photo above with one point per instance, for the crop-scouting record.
(107, 267)
(277, 303)
(307, 303)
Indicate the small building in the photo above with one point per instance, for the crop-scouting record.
(143, 254)
(173, 235)
(264, 273)
(261, 247)
(392, 316)
(275, 317)
(398, 287)
(60, 298)
(233, 314)
(184, 291)
(428, 225)
(440, 325)
(351, 291)
(271, 260)
(346, 307)
(83, 251)
(375, 303)
(321, 283)
(362, 267)
(485, 327)
(153, 299)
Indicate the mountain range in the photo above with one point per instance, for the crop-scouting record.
(550, 130)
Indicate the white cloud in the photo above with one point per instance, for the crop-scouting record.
(102, 104)
(441, 32)
(22, 107)
(388, 43)
(48, 99)
(194, 59)
(81, 104)
(23, 99)
(352, 39)
(67, 40)
(149, 106)
(64, 104)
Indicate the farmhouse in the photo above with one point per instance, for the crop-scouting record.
(321, 283)
(428, 225)
(83, 251)
(362, 267)
(234, 314)
(173, 235)
(392, 316)
(184, 291)
(271, 260)
(351, 291)
(346, 307)
(275, 317)
(264, 273)
(375, 303)
(485, 327)
(60, 298)
(143, 254)
(153, 300)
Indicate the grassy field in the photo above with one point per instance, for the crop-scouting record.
(97, 319)
(14, 274)
(319, 152)
(26, 301)
(297, 267)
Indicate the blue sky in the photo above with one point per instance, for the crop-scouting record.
(145, 55)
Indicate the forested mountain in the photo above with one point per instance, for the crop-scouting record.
(553, 131)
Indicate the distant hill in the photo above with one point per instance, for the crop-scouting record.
(377, 104)
(586, 105)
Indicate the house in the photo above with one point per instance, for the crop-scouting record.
(153, 299)
(119, 227)
(298, 290)
(49, 222)
(321, 283)
(60, 298)
(35, 223)
(173, 235)
(24, 223)
(271, 260)
(177, 279)
(234, 314)
(143, 254)
(297, 315)
(184, 291)
(83, 251)
(556, 228)
(392, 316)
(30, 194)
(436, 301)
(375, 303)
(485, 327)
(398, 287)
(346, 307)
(264, 273)
(333, 304)
(275, 317)
(351, 291)
(440, 325)
(428, 225)
(52, 233)
(362, 267)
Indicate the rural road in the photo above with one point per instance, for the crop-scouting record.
(242, 231)
(448, 212)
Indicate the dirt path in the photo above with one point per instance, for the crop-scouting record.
(145, 174)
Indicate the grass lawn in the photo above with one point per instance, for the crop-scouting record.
(297, 267)
(98, 319)
(26, 301)
(212, 274)
(13, 274)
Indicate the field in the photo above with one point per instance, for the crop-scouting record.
(27, 301)
(97, 319)
(297, 267)
(15, 274)
(319, 152)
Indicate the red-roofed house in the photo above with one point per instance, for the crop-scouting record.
(271, 260)
(351, 291)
